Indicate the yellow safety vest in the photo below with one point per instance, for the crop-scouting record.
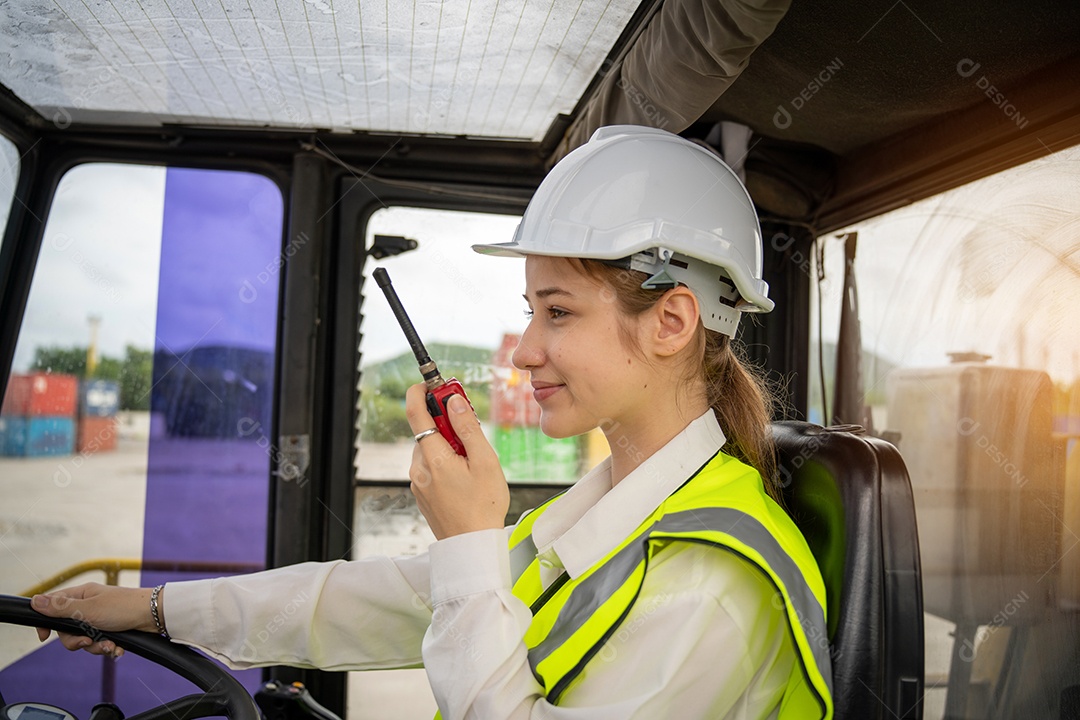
(723, 505)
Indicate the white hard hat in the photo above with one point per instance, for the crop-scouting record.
(658, 203)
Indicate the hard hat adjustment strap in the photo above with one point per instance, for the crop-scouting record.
(661, 280)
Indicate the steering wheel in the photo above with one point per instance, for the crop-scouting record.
(222, 695)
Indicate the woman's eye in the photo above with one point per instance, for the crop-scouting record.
(553, 313)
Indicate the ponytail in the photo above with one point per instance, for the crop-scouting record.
(743, 403)
(738, 394)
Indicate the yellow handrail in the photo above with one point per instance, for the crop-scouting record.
(113, 566)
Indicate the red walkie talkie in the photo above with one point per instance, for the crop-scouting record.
(439, 391)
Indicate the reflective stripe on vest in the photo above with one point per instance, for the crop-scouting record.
(521, 556)
(572, 626)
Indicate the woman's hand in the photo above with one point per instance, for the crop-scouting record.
(100, 606)
(456, 494)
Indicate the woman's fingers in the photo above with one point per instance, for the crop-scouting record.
(467, 427)
(416, 412)
(96, 607)
(90, 645)
(63, 604)
(59, 604)
(81, 642)
(455, 494)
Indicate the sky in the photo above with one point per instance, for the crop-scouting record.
(102, 256)
(452, 294)
(991, 267)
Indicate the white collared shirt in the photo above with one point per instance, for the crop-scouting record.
(703, 640)
(592, 518)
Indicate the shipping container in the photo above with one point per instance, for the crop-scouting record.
(512, 402)
(39, 436)
(529, 456)
(96, 434)
(41, 395)
(99, 398)
(14, 399)
(12, 435)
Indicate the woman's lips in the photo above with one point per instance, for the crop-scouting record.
(543, 392)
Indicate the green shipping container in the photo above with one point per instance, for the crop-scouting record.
(528, 455)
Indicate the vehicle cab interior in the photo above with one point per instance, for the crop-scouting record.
(200, 378)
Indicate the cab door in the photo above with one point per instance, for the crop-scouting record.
(137, 421)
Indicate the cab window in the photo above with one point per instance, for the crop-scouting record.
(472, 342)
(971, 365)
(133, 434)
(9, 175)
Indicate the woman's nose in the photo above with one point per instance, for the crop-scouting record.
(528, 354)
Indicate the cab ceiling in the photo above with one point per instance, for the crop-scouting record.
(483, 68)
(856, 108)
(904, 98)
(843, 75)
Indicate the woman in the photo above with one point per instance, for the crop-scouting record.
(665, 583)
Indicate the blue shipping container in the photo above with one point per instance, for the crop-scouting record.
(12, 435)
(99, 398)
(38, 436)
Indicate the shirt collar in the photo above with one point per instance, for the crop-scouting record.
(592, 518)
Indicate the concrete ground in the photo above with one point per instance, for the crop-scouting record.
(56, 512)
(60, 511)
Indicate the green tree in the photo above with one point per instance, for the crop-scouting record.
(383, 386)
(136, 377)
(63, 361)
(133, 373)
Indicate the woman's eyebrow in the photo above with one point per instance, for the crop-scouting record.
(548, 292)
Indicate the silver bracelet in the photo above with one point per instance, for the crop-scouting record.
(154, 612)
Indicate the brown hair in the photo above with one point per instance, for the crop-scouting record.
(738, 393)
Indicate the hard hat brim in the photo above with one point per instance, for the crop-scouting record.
(510, 249)
(755, 293)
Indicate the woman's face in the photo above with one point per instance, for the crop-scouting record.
(582, 370)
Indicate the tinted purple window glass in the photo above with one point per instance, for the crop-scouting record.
(210, 402)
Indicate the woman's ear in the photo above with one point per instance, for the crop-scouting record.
(676, 317)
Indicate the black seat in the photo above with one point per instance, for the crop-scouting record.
(851, 497)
